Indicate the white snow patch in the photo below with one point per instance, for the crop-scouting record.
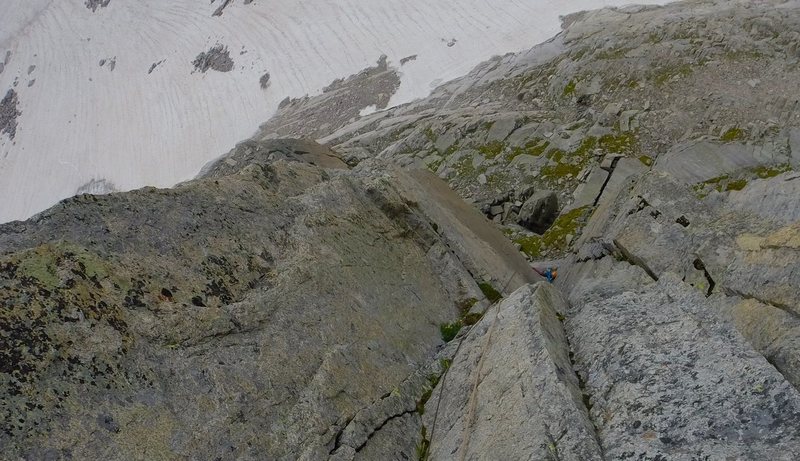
(136, 129)
(371, 109)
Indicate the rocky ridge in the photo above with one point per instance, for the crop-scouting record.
(339, 301)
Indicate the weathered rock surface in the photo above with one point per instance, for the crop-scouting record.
(511, 391)
(658, 392)
(235, 316)
(292, 302)
(539, 211)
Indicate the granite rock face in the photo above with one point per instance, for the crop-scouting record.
(306, 301)
(235, 316)
(492, 404)
(659, 392)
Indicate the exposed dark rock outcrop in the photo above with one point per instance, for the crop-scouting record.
(216, 58)
(9, 114)
(95, 4)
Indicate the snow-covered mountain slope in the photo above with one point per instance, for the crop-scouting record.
(108, 94)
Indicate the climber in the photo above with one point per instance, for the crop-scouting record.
(550, 273)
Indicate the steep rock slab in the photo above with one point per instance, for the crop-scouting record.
(664, 227)
(773, 332)
(774, 199)
(669, 380)
(249, 315)
(478, 244)
(511, 392)
(698, 161)
(764, 265)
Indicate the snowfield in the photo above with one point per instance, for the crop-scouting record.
(111, 94)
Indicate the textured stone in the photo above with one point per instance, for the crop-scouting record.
(698, 161)
(234, 316)
(794, 146)
(773, 332)
(494, 405)
(501, 128)
(774, 199)
(656, 392)
(539, 211)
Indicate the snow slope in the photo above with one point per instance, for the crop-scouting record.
(110, 93)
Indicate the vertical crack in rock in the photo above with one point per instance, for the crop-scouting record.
(383, 423)
(698, 264)
(216, 58)
(605, 183)
(9, 114)
(586, 396)
(632, 259)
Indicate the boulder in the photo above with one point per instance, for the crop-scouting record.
(539, 211)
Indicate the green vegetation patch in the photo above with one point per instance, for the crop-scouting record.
(613, 53)
(492, 149)
(535, 147)
(434, 166)
(433, 380)
(569, 165)
(665, 74)
(424, 445)
(428, 132)
(647, 160)
(737, 184)
(490, 292)
(556, 236)
(450, 330)
(569, 90)
(464, 167)
(765, 172)
(619, 143)
(733, 134)
(726, 183)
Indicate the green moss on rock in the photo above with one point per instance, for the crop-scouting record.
(556, 236)
(492, 149)
(569, 90)
(490, 292)
(450, 330)
(733, 134)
